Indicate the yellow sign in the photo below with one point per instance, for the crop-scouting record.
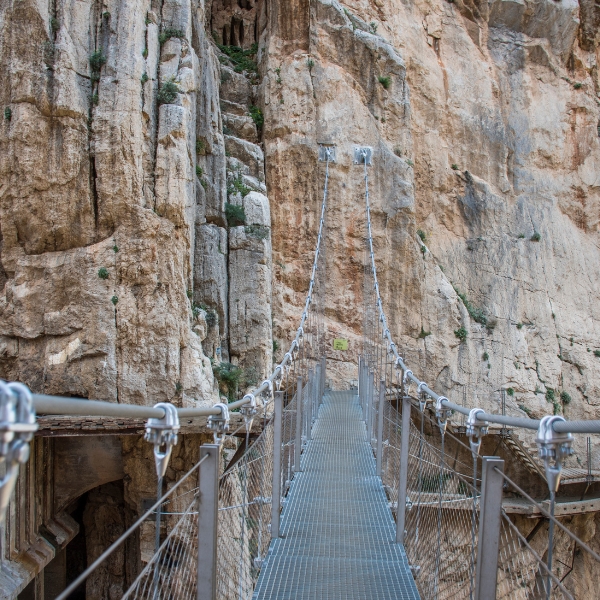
(340, 344)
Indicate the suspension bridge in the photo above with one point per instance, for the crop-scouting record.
(376, 492)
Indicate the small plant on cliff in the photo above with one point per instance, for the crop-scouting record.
(310, 63)
(199, 171)
(257, 116)
(536, 237)
(423, 334)
(510, 391)
(461, 333)
(229, 377)
(103, 273)
(114, 300)
(373, 27)
(549, 395)
(242, 60)
(54, 24)
(385, 81)
(169, 33)
(398, 151)
(409, 162)
(525, 409)
(95, 99)
(238, 186)
(200, 147)
(235, 215)
(422, 235)
(144, 78)
(275, 346)
(145, 52)
(7, 113)
(477, 314)
(597, 353)
(565, 397)
(454, 167)
(578, 85)
(519, 325)
(97, 61)
(115, 248)
(260, 232)
(485, 356)
(167, 93)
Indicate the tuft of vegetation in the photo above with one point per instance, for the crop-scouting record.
(189, 293)
(454, 167)
(169, 33)
(235, 215)
(114, 300)
(409, 162)
(398, 151)
(167, 93)
(373, 27)
(485, 356)
(423, 334)
(525, 410)
(275, 346)
(144, 78)
(550, 395)
(597, 353)
(95, 99)
(7, 113)
(178, 387)
(238, 185)
(424, 250)
(200, 147)
(147, 20)
(385, 81)
(97, 61)
(145, 52)
(510, 391)
(521, 236)
(54, 24)
(260, 232)
(103, 273)
(578, 85)
(477, 314)
(422, 235)
(461, 333)
(115, 248)
(257, 116)
(565, 397)
(310, 63)
(106, 15)
(229, 377)
(519, 325)
(199, 171)
(536, 237)
(242, 60)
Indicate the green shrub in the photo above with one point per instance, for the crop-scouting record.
(241, 59)
(578, 85)
(461, 334)
(385, 81)
(147, 20)
(167, 93)
(235, 215)
(525, 409)
(409, 162)
(145, 52)
(485, 356)
(521, 236)
(115, 248)
(238, 185)
(597, 353)
(454, 167)
(169, 33)
(54, 24)
(477, 314)
(373, 27)
(549, 395)
(103, 273)
(423, 334)
(510, 391)
(200, 147)
(519, 325)
(144, 78)
(275, 346)
(260, 232)
(95, 99)
(565, 397)
(114, 300)
(257, 116)
(536, 237)
(97, 61)
(310, 63)
(199, 171)
(8, 113)
(229, 377)
(422, 235)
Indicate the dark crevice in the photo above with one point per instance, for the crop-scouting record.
(94, 189)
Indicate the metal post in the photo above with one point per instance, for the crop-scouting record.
(208, 510)
(277, 438)
(299, 417)
(370, 394)
(317, 400)
(359, 380)
(380, 426)
(489, 528)
(323, 377)
(402, 483)
(309, 405)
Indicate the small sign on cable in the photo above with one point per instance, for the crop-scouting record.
(340, 344)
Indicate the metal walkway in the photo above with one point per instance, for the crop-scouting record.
(338, 532)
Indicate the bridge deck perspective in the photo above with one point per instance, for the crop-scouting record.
(338, 534)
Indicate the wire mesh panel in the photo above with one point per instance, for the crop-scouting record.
(244, 517)
(171, 573)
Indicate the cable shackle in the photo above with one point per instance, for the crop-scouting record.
(17, 426)
(219, 424)
(476, 429)
(163, 434)
(442, 413)
(553, 447)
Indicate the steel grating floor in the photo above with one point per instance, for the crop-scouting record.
(338, 533)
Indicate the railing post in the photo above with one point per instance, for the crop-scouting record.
(309, 404)
(277, 439)
(402, 483)
(299, 417)
(370, 398)
(323, 378)
(490, 517)
(380, 426)
(359, 380)
(208, 512)
(317, 388)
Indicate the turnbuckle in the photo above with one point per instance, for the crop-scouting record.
(163, 434)
(476, 429)
(17, 426)
(553, 446)
(219, 424)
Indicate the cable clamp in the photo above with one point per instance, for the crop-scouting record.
(442, 413)
(476, 429)
(219, 424)
(163, 434)
(553, 447)
(268, 395)
(300, 331)
(294, 347)
(17, 426)
(423, 397)
(248, 410)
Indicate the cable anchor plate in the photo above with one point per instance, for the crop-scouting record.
(362, 155)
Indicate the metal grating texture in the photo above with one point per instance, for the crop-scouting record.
(338, 532)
